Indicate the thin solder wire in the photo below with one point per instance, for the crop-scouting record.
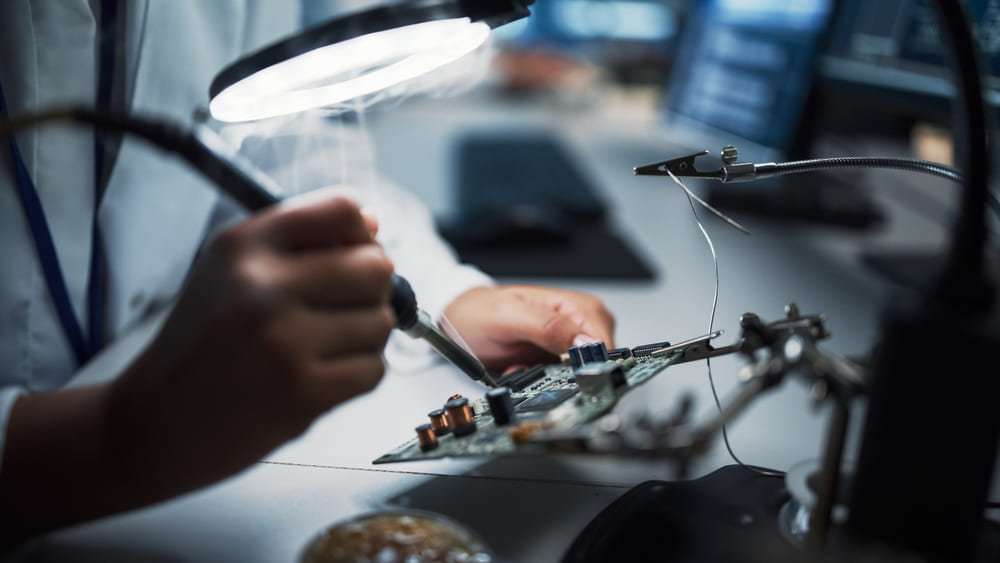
(711, 321)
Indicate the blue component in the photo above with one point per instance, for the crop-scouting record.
(599, 351)
(575, 357)
(587, 351)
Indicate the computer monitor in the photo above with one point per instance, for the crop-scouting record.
(744, 71)
(744, 75)
(888, 58)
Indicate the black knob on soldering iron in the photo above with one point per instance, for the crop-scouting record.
(404, 302)
(417, 323)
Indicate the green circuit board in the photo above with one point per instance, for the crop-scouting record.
(546, 400)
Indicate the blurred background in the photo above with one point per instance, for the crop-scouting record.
(511, 168)
(528, 168)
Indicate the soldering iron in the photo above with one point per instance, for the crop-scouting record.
(202, 148)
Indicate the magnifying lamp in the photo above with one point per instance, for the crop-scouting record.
(356, 55)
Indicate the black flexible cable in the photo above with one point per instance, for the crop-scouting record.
(890, 163)
(245, 185)
(908, 164)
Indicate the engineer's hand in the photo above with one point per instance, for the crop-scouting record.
(516, 325)
(285, 316)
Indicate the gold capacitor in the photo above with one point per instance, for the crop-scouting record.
(439, 422)
(428, 439)
(460, 416)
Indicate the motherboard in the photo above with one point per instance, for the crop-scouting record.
(566, 407)
(529, 404)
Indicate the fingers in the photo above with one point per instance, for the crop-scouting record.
(594, 320)
(324, 335)
(342, 277)
(324, 358)
(339, 379)
(313, 220)
(370, 221)
(546, 327)
(318, 252)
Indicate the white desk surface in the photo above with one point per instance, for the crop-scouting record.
(529, 510)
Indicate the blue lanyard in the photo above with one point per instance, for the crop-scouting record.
(84, 347)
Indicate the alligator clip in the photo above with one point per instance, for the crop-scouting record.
(681, 167)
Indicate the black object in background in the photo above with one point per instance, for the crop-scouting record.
(525, 209)
(729, 515)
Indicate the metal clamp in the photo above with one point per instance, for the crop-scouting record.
(730, 171)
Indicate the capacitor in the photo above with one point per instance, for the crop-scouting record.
(460, 416)
(439, 422)
(501, 405)
(427, 437)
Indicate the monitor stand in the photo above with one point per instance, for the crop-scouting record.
(811, 198)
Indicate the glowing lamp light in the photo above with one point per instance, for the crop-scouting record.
(356, 55)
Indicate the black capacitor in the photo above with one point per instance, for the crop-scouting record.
(501, 405)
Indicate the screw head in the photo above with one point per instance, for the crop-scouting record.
(730, 154)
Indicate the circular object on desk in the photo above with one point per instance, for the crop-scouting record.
(439, 421)
(460, 416)
(397, 536)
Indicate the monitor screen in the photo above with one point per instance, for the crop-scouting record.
(891, 53)
(744, 67)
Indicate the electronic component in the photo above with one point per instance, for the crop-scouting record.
(619, 354)
(426, 437)
(501, 405)
(593, 377)
(522, 378)
(439, 421)
(460, 416)
(646, 350)
(546, 400)
(543, 400)
(586, 353)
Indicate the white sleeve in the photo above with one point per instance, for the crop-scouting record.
(8, 395)
(407, 231)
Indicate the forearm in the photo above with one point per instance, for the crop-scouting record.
(56, 469)
(63, 464)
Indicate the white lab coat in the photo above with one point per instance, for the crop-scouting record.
(156, 211)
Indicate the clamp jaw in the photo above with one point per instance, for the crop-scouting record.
(730, 171)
